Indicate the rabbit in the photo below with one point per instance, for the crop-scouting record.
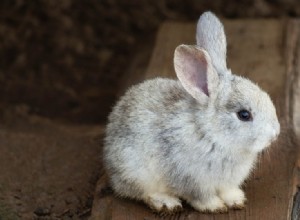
(194, 139)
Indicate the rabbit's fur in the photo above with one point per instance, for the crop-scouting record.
(169, 139)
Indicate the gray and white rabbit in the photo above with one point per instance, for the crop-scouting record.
(196, 138)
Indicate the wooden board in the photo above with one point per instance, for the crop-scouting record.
(267, 52)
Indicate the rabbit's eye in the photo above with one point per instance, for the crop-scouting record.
(244, 115)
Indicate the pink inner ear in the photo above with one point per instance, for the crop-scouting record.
(196, 72)
(192, 66)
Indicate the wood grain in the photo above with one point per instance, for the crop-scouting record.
(293, 91)
(267, 52)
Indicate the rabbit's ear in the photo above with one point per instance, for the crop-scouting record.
(195, 72)
(211, 37)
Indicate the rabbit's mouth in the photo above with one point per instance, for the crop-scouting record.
(270, 136)
(270, 142)
(273, 139)
(260, 146)
(268, 145)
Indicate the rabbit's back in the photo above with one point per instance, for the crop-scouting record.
(132, 152)
(144, 107)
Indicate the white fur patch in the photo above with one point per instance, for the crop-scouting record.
(213, 204)
(233, 197)
(160, 201)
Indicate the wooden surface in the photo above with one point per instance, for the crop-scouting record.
(267, 52)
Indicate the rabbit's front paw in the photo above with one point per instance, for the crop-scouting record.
(213, 204)
(164, 203)
(233, 197)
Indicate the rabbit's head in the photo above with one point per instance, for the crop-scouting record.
(237, 113)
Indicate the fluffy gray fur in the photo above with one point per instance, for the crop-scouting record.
(168, 140)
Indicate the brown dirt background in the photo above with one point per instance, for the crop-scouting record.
(61, 65)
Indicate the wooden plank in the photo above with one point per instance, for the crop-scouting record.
(267, 52)
(293, 83)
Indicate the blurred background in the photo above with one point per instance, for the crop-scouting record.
(63, 62)
(65, 59)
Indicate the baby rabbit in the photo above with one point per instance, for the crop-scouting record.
(196, 138)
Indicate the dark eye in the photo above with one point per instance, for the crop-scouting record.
(244, 115)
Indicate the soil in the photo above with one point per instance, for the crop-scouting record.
(62, 64)
(48, 170)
